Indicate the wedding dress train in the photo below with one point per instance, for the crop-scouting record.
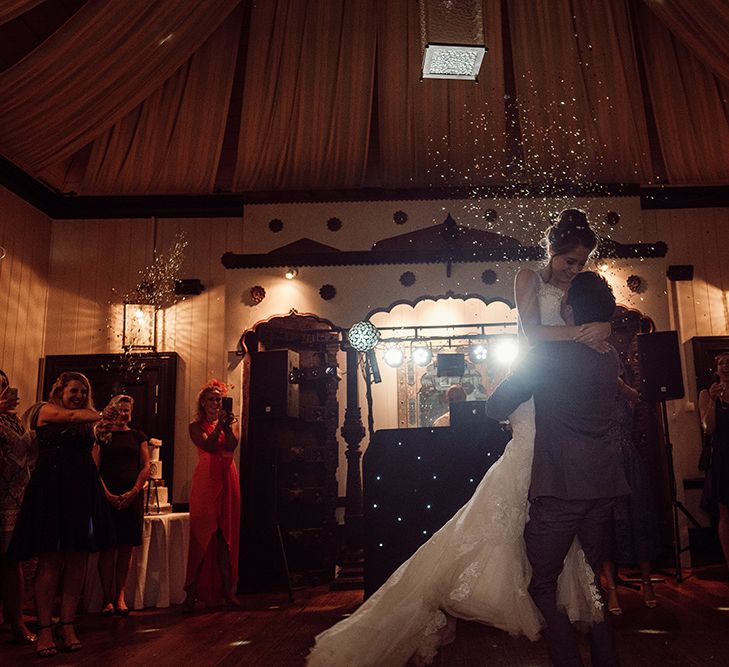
(475, 568)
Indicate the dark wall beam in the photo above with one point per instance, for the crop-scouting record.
(227, 205)
(232, 260)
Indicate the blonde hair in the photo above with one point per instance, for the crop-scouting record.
(66, 378)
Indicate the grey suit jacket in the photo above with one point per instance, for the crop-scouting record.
(576, 450)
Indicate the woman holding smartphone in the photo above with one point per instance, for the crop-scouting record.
(714, 411)
(15, 458)
(212, 564)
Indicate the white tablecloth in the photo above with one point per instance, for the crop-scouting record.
(157, 572)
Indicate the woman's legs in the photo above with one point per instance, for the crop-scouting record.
(11, 584)
(723, 530)
(226, 569)
(106, 574)
(608, 573)
(46, 584)
(123, 561)
(649, 596)
(73, 580)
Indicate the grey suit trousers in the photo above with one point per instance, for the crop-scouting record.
(552, 526)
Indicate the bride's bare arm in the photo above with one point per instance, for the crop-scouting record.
(526, 285)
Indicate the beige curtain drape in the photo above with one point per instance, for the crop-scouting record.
(171, 143)
(435, 132)
(577, 82)
(307, 100)
(103, 62)
(10, 9)
(690, 107)
(702, 26)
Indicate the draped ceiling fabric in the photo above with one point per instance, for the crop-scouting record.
(133, 97)
(9, 9)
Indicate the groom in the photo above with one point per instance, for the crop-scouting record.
(577, 471)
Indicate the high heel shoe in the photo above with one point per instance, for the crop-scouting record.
(613, 602)
(108, 610)
(649, 596)
(48, 651)
(69, 647)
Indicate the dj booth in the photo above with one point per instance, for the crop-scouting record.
(414, 480)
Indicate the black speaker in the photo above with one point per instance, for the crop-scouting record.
(660, 364)
(274, 384)
(680, 272)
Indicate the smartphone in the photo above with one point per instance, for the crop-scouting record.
(227, 404)
(11, 394)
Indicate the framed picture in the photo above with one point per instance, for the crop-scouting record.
(706, 349)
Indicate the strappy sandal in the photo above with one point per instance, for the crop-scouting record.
(649, 596)
(69, 647)
(48, 651)
(614, 609)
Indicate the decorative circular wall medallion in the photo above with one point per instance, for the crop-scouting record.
(258, 294)
(635, 284)
(400, 217)
(334, 224)
(407, 279)
(488, 277)
(490, 214)
(327, 292)
(275, 225)
(612, 218)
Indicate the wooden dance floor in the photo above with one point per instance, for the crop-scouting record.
(689, 627)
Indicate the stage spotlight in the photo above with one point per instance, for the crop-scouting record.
(291, 273)
(505, 350)
(479, 353)
(394, 357)
(422, 355)
(363, 336)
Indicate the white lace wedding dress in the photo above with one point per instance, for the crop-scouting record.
(475, 567)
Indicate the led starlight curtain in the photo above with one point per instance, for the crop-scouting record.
(308, 95)
(437, 133)
(580, 103)
(171, 142)
(102, 63)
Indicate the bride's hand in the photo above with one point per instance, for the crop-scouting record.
(593, 333)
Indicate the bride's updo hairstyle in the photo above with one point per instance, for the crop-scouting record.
(569, 232)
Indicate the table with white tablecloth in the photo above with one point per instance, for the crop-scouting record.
(157, 572)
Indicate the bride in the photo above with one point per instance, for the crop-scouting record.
(475, 567)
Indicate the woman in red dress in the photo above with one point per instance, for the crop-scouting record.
(212, 564)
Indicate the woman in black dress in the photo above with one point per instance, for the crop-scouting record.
(714, 410)
(64, 515)
(123, 458)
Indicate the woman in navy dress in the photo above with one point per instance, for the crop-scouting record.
(123, 458)
(64, 515)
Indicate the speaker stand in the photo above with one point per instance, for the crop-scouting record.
(676, 505)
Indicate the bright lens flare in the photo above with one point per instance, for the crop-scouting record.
(505, 350)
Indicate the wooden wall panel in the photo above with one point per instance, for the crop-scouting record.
(25, 234)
